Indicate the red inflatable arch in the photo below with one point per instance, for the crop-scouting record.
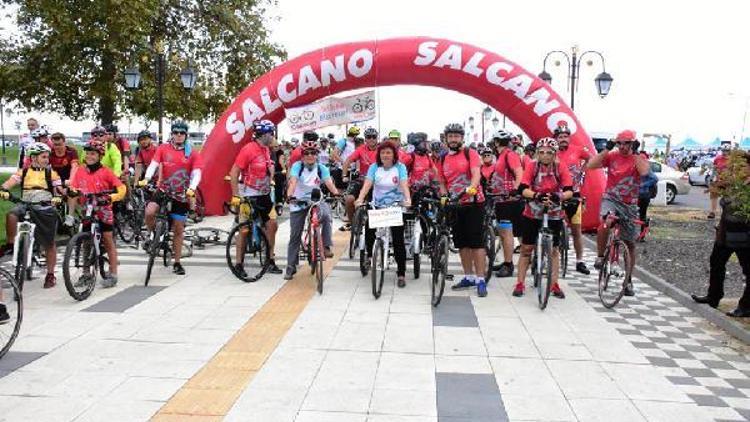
(525, 99)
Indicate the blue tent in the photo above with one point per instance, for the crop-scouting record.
(745, 144)
(716, 142)
(690, 143)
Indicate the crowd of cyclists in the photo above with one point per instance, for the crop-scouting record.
(517, 183)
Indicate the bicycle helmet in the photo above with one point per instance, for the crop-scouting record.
(394, 134)
(179, 126)
(39, 132)
(94, 145)
(626, 135)
(530, 148)
(353, 131)
(416, 138)
(98, 130)
(370, 132)
(262, 127)
(726, 146)
(502, 135)
(485, 150)
(309, 135)
(436, 146)
(144, 134)
(112, 128)
(454, 128)
(309, 144)
(37, 148)
(547, 143)
(562, 128)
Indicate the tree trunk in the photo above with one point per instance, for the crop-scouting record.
(107, 101)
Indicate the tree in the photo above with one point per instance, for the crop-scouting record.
(68, 57)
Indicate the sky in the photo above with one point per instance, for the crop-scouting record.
(678, 68)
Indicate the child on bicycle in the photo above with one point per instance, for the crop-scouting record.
(388, 180)
(40, 185)
(94, 178)
(305, 176)
(546, 183)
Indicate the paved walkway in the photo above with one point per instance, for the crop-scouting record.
(271, 351)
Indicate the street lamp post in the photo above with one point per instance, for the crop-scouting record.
(133, 81)
(603, 80)
(2, 129)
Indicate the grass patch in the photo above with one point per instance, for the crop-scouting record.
(670, 233)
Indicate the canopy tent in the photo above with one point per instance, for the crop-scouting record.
(690, 143)
(716, 142)
(745, 144)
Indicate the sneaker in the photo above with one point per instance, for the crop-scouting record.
(518, 290)
(273, 269)
(109, 281)
(557, 291)
(4, 315)
(629, 291)
(401, 282)
(581, 268)
(178, 269)
(506, 270)
(482, 288)
(290, 272)
(6, 249)
(345, 228)
(328, 252)
(240, 270)
(49, 281)
(599, 263)
(465, 283)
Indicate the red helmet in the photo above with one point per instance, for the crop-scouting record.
(626, 135)
(94, 145)
(307, 145)
(547, 143)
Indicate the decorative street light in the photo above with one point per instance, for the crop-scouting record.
(495, 122)
(188, 79)
(603, 80)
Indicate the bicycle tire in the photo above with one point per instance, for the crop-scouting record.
(489, 248)
(546, 274)
(564, 247)
(356, 232)
(9, 331)
(80, 253)
(417, 257)
(378, 268)
(319, 256)
(261, 252)
(312, 257)
(439, 269)
(153, 250)
(124, 226)
(606, 282)
(20, 271)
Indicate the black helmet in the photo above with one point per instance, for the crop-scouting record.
(144, 134)
(310, 135)
(416, 138)
(436, 146)
(530, 148)
(560, 129)
(370, 132)
(454, 128)
(111, 128)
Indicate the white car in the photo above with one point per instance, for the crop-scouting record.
(677, 181)
(699, 176)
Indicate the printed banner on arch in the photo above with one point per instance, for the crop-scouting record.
(332, 111)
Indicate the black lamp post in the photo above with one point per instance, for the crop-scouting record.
(2, 129)
(188, 78)
(603, 80)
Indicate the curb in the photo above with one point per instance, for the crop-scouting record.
(714, 316)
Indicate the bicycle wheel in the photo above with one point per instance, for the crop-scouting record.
(13, 299)
(439, 269)
(21, 273)
(545, 286)
(154, 247)
(256, 255)
(80, 266)
(357, 228)
(124, 226)
(490, 251)
(614, 273)
(417, 257)
(378, 268)
(312, 256)
(319, 255)
(564, 246)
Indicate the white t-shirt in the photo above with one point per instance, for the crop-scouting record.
(346, 147)
(385, 184)
(307, 180)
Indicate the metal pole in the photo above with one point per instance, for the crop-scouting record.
(482, 126)
(2, 129)
(573, 76)
(160, 92)
(503, 121)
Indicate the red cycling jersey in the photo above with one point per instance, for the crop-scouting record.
(574, 159)
(504, 176)
(455, 171)
(541, 178)
(422, 171)
(63, 164)
(365, 157)
(99, 181)
(623, 179)
(176, 169)
(254, 160)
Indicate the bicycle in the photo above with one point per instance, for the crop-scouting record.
(420, 231)
(542, 261)
(380, 255)
(13, 299)
(26, 253)
(616, 269)
(83, 252)
(312, 247)
(129, 217)
(256, 249)
(197, 207)
(440, 252)
(159, 239)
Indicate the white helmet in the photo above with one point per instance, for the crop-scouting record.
(726, 146)
(39, 132)
(37, 148)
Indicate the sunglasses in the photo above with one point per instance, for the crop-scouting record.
(97, 134)
(178, 132)
(310, 152)
(371, 137)
(546, 152)
(622, 144)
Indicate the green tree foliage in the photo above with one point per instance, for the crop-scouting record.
(69, 56)
(733, 184)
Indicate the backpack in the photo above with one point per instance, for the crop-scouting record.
(302, 168)
(47, 178)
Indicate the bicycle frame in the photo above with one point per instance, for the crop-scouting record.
(25, 229)
(89, 218)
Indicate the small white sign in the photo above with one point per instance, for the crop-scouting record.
(332, 111)
(385, 217)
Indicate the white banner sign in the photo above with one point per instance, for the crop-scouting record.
(385, 217)
(332, 111)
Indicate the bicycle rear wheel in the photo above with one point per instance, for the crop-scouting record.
(13, 299)
(378, 268)
(614, 273)
(124, 225)
(489, 248)
(255, 256)
(439, 269)
(80, 266)
(21, 272)
(417, 257)
(545, 285)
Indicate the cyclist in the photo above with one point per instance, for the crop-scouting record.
(296, 155)
(93, 178)
(506, 178)
(365, 155)
(624, 171)
(460, 176)
(144, 153)
(26, 139)
(421, 169)
(529, 152)
(488, 165)
(39, 136)
(112, 158)
(389, 183)
(179, 175)
(341, 151)
(547, 183)
(324, 156)
(575, 160)
(254, 161)
(63, 158)
(304, 177)
(123, 146)
(40, 185)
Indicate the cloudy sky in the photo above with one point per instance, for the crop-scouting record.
(678, 68)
